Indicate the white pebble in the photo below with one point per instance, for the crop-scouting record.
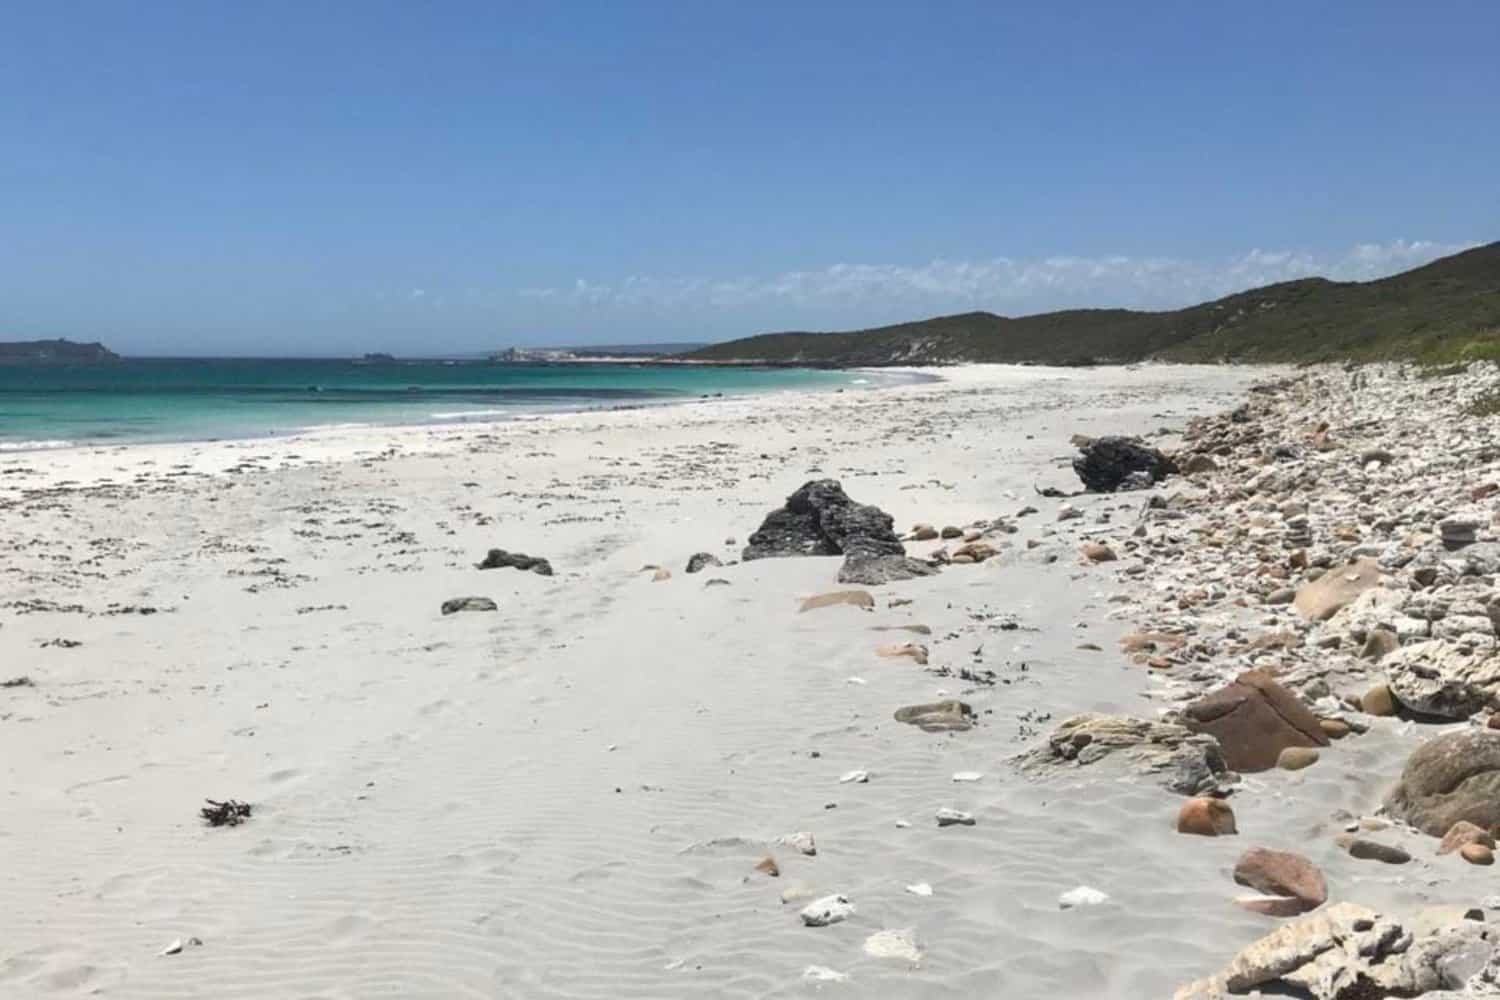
(828, 910)
(900, 944)
(966, 775)
(1081, 896)
(858, 777)
(822, 973)
(919, 889)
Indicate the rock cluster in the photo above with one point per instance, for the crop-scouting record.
(501, 559)
(821, 520)
(1106, 464)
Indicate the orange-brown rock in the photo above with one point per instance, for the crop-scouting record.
(1254, 719)
(1462, 833)
(854, 598)
(1206, 817)
(1378, 701)
(1098, 552)
(768, 866)
(1477, 854)
(1282, 873)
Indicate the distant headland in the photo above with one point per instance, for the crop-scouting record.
(21, 353)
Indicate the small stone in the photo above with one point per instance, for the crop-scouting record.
(919, 889)
(1463, 832)
(802, 842)
(1296, 758)
(1206, 817)
(945, 716)
(953, 817)
(1378, 701)
(1379, 642)
(768, 866)
(1067, 512)
(923, 533)
(1081, 896)
(701, 560)
(915, 650)
(1371, 850)
(951, 531)
(1477, 854)
(966, 775)
(854, 777)
(456, 604)
(1097, 552)
(661, 573)
(828, 910)
(794, 892)
(823, 974)
(1334, 729)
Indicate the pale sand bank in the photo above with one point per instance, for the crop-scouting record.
(566, 798)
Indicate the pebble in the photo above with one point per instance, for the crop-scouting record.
(967, 775)
(919, 889)
(1296, 758)
(1477, 854)
(823, 974)
(856, 777)
(801, 841)
(1082, 896)
(953, 817)
(828, 910)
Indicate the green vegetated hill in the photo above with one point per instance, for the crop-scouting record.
(1447, 310)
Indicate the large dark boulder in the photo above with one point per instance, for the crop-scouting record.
(1453, 777)
(1254, 719)
(1106, 464)
(820, 520)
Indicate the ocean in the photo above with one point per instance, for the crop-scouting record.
(176, 399)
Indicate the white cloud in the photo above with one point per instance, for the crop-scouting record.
(1002, 284)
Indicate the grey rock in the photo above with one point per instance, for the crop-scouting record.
(1453, 777)
(701, 561)
(500, 559)
(874, 570)
(456, 604)
(1443, 678)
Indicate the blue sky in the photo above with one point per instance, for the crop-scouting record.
(327, 177)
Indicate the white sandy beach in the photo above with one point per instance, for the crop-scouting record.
(567, 798)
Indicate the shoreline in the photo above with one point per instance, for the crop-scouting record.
(437, 796)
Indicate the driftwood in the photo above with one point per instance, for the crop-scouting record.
(226, 813)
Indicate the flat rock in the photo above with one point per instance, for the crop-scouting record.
(1450, 778)
(949, 715)
(953, 817)
(899, 944)
(1282, 873)
(1373, 850)
(1254, 719)
(876, 570)
(1083, 895)
(1189, 763)
(1442, 678)
(853, 598)
(1322, 598)
(456, 604)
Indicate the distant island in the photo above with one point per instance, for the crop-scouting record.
(1445, 311)
(21, 353)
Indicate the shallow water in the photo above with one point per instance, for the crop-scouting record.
(149, 399)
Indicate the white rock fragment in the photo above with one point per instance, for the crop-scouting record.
(967, 775)
(951, 817)
(857, 777)
(801, 841)
(903, 824)
(1082, 896)
(901, 944)
(850, 680)
(827, 910)
(919, 889)
(823, 974)
(172, 949)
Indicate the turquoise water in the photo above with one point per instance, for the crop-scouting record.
(201, 399)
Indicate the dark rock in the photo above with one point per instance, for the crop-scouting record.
(872, 570)
(1254, 719)
(820, 520)
(702, 560)
(1106, 464)
(501, 559)
(457, 604)
(1373, 850)
(1451, 778)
